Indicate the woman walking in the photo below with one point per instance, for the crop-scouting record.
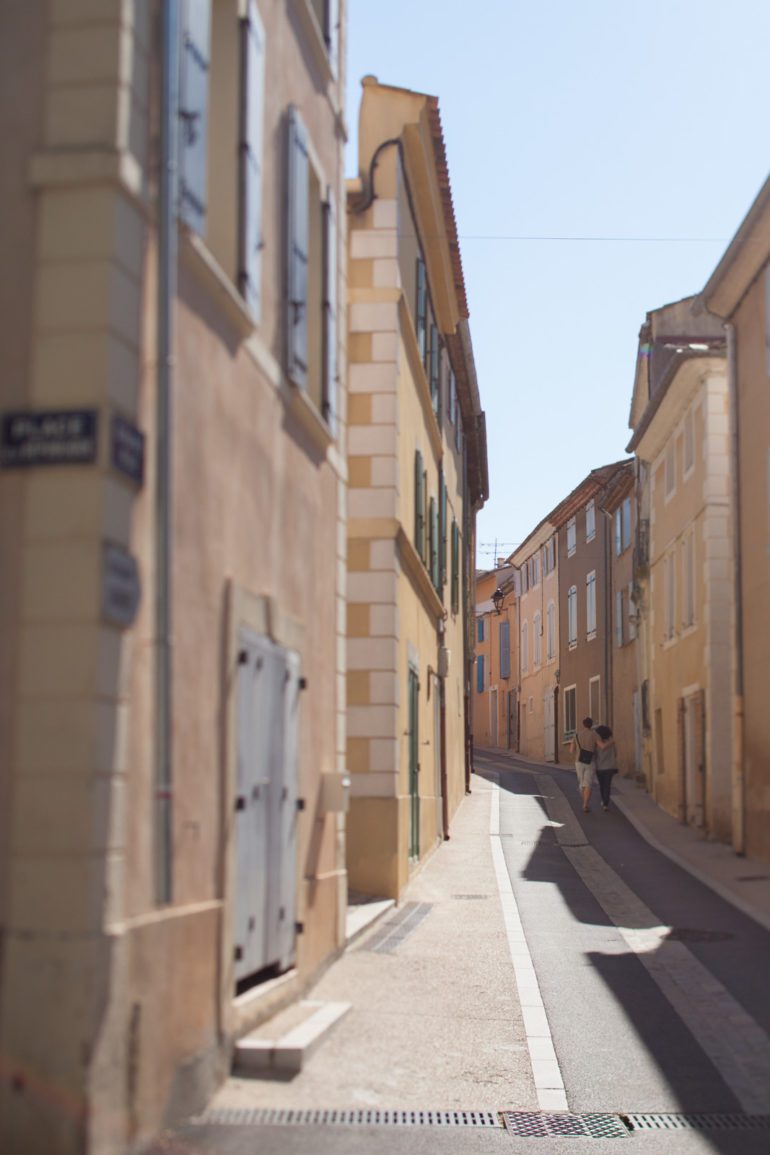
(606, 762)
(584, 749)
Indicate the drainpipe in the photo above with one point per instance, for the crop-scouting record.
(167, 256)
(739, 781)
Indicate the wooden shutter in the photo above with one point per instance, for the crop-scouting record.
(193, 112)
(421, 310)
(251, 152)
(332, 32)
(435, 350)
(433, 523)
(298, 237)
(441, 530)
(455, 592)
(329, 393)
(505, 650)
(419, 505)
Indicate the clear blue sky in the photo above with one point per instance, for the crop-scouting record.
(575, 118)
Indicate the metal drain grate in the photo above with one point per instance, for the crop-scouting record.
(541, 1125)
(469, 896)
(698, 1122)
(392, 934)
(235, 1117)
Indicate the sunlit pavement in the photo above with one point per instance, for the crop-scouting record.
(555, 965)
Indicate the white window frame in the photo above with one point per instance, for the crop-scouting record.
(570, 693)
(550, 632)
(571, 537)
(591, 604)
(688, 444)
(591, 520)
(688, 580)
(537, 641)
(572, 617)
(594, 683)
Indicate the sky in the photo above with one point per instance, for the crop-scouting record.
(641, 129)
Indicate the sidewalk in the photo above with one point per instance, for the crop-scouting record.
(435, 1020)
(742, 881)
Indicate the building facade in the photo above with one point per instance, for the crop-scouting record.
(536, 561)
(495, 679)
(585, 619)
(417, 475)
(172, 868)
(681, 435)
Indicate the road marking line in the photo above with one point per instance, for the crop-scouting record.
(546, 1073)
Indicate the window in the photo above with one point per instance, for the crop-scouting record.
(452, 398)
(569, 711)
(670, 465)
(421, 308)
(620, 613)
(571, 537)
(434, 370)
(524, 647)
(480, 674)
(591, 604)
(594, 699)
(327, 14)
(688, 581)
(689, 442)
(618, 532)
(441, 532)
(419, 505)
(311, 345)
(250, 240)
(549, 556)
(590, 521)
(479, 629)
(626, 524)
(535, 564)
(537, 641)
(669, 596)
(455, 567)
(525, 578)
(631, 612)
(194, 114)
(572, 616)
(505, 650)
(550, 632)
(433, 565)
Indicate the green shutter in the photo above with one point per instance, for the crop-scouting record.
(419, 505)
(434, 574)
(441, 531)
(435, 350)
(455, 567)
(421, 309)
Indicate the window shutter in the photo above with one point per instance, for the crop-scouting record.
(332, 32)
(441, 530)
(480, 674)
(455, 567)
(419, 505)
(193, 113)
(434, 576)
(251, 151)
(505, 650)
(330, 313)
(434, 367)
(298, 230)
(421, 312)
(452, 398)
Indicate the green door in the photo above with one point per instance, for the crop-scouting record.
(414, 767)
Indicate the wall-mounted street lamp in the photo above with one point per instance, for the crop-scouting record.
(497, 600)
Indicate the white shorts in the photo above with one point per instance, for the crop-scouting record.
(585, 774)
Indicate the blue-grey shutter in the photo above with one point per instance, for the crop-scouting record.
(332, 32)
(505, 650)
(298, 236)
(251, 150)
(330, 313)
(193, 112)
(480, 674)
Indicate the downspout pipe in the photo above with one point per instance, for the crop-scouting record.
(739, 779)
(167, 263)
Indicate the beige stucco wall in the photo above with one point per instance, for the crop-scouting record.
(753, 423)
(115, 1012)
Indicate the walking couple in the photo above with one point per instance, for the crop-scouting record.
(594, 750)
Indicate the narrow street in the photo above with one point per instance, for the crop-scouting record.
(609, 994)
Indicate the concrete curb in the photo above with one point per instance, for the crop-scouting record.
(285, 1055)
